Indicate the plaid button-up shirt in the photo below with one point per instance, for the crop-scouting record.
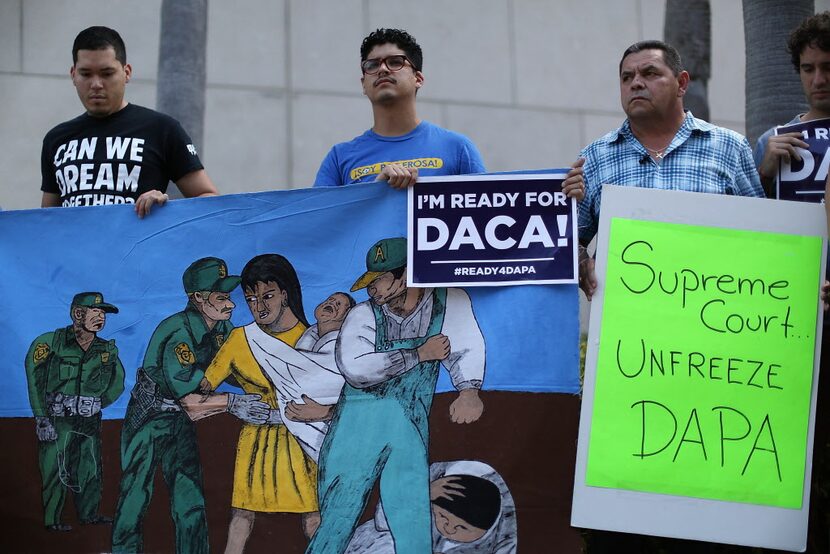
(701, 158)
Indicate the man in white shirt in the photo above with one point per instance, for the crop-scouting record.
(389, 351)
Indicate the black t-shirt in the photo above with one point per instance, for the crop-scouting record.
(91, 161)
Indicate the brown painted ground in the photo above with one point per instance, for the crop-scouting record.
(529, 438)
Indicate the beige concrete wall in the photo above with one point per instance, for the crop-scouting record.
(530, 81)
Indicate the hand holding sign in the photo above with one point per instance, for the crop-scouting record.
(780, 147)
(574, 184)
(796, 158)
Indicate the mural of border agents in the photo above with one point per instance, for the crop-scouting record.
(158, 428)
(72, 374)
(389, 351)
(272, 473)
(473, 513)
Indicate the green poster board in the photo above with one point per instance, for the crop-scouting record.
(705, 368)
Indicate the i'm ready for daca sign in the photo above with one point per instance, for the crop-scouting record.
(804, 180)
(491, 230)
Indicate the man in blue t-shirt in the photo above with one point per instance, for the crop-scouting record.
(399, 145)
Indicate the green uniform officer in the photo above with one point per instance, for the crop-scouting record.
(72, 374)
(156, 431)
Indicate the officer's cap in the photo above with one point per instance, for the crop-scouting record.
(209, 274)
(385, 255)
(93, 300)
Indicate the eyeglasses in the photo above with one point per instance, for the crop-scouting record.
(393, 63)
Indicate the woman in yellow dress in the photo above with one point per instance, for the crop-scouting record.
(271, 473)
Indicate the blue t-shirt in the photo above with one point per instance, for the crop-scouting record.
(428, 147)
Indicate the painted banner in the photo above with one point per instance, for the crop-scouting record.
(803, 180)
(288, 313)
(699, 395)
(484, 230)
(52, 255)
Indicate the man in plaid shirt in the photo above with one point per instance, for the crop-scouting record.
(659, 145)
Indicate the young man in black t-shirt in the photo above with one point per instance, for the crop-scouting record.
(115, 153)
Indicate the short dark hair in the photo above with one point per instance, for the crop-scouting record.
(671, 56)
(99, 38)
(399, 38)
(267, 268)
(813, 31)
(480, 504)
(349, 298)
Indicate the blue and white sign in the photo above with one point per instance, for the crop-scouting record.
(478, 230)
(803, 180)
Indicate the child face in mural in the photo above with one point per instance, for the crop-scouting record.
(333, 309)
(464, 507)
(452, 527)
(386, 287)
(267, 302)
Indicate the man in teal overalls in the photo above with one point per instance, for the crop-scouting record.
(389, 352)
(72, 375)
